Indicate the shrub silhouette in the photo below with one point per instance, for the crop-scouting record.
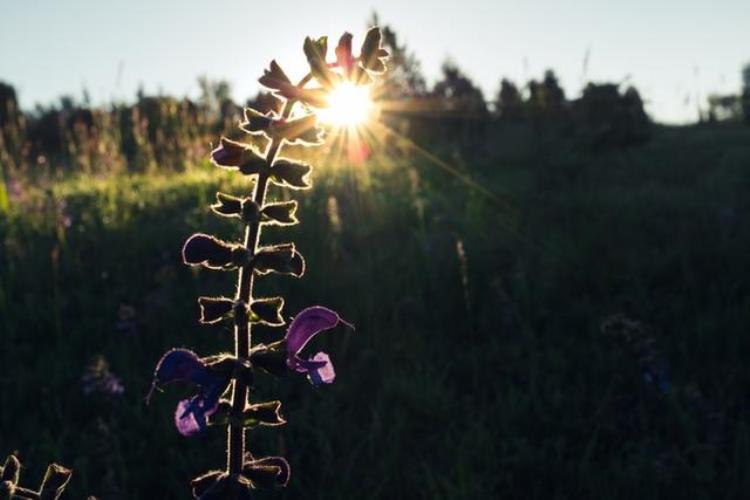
(607, 118)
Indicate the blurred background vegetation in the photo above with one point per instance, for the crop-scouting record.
(580, 332)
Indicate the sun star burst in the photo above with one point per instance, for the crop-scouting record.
(349, 105)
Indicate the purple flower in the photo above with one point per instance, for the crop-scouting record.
(126, 320)
(304, 327)
(182, 365)
(344, 56)
(98, 379)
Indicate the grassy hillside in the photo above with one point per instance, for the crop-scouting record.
(479, 367)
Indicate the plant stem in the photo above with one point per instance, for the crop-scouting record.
(243, 332)
(25, 493)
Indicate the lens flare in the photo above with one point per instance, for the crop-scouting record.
(349, 105)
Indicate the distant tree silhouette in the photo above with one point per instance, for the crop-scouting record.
(746, 93)
(554, 95)
(460, 107)
(403, 88)
(44, 132)
(213, 92)
(216, 99)
(404, 78)
(605, 118)
(546, 103)
(156, 131)
(456, 93)
(724, 107)
(12, 126)
(509, 103)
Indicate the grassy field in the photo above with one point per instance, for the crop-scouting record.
(479, 368)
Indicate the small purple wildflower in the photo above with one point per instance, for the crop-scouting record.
(640, 340)
(126, 320)
(191, 415)
(182, 365)
(304, 327)
(653, 365)
(64, 219)
(98, 379)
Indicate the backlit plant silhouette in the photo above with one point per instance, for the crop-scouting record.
(231, 374)
(53, 484)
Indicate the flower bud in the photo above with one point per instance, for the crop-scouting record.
(205, 250)
(256, 122)
(267, 414)
(282, 259)
(250, 211)
(54, 482)
(267, 472)
(280, 214)
(238, 156)
(212, 484)
(303, 131)
(7, 489)
(11, 470)
(268, 311)
(291, 174)
(371, 54)
(272, 361)
(274, 78)
(344, 56)
(227, 205)
(316, 51)
(214, 309)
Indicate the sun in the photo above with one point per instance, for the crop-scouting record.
(349, 105)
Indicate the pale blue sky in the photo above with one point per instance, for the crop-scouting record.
(670, 49)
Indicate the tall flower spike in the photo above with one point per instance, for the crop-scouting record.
(214, 375)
